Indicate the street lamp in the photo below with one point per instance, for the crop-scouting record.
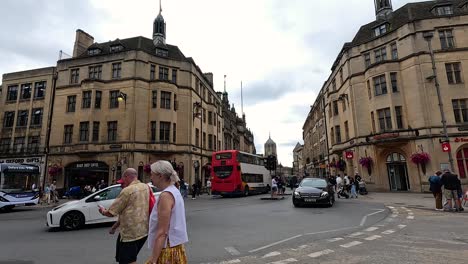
(122, 97)
(428, 35)
(196, 110)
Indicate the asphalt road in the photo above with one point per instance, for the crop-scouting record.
(219, 229)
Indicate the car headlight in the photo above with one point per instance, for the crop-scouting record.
(3, 199)
(324, 194)
(297, 194)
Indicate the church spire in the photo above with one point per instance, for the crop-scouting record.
(383, 8)
(159, 28)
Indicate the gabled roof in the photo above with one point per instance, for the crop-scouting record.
(298, 147)
(135, 43)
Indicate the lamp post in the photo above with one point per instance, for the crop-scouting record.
(428, 37)
(122, 97)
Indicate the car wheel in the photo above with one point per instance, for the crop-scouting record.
(72, 221)
(246, 191)
(296, 203)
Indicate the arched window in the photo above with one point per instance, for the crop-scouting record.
(462, 161)
(395, 157)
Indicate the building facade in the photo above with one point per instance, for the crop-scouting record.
(297, 168)
(25, 107)
(381, 104)
(130, 102)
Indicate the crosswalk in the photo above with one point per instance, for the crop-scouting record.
(335, 245)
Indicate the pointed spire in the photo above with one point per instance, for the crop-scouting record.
(160, 7)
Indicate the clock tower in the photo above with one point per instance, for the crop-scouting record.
(159, 28)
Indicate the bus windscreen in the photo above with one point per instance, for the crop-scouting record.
(223, 172)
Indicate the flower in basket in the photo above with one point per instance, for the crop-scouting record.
(147, 168)
(55, 170)
(366, 162)
(420, 158)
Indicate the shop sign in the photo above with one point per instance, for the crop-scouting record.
(87, 165)
(386, 136)
(446, 146)
(31, 160)
(461, 140)
(349, 154)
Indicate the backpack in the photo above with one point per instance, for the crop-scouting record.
(152, 200)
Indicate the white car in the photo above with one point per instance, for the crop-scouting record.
(74, 214)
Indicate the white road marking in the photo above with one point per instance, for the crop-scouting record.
(391, 207)
(370, 229)
(394, 215)
(410, 213)
(272, 254)
(401, 226)
(289, 260)
(404, 208)
(351, 244)
(410, 217)
(388, 232)
(321, 253)
(274, 244)
(363, 221)
(374, 237)
(232, 251)
(231, 261)
(335, 239)
(356, 234)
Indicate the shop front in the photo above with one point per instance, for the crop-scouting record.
(86, 173)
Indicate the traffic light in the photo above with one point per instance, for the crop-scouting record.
(270, 162)
(273, 162)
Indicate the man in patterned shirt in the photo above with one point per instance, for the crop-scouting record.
(132, 208)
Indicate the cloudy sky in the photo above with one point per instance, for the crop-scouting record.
(282, 50)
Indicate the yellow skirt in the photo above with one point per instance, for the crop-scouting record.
(173, 255)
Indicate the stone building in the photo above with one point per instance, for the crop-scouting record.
(130, 102)
(24, 107)
(381, 102)
(270, 148)
(315, 148)
(235, 132)
(297, 168)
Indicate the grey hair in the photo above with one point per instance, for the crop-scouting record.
(165, 169)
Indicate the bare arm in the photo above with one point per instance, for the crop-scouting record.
(165, 206)
(114, 227)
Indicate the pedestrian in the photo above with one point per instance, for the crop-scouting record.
(274, 187)
(199, 187)
(353, 188)
(451, 184)
(347, 183)
(208, 186)
(279, 183)
(332, 181)
(435, 186)
(183, 188)
(167, 225)
(131, 206)
(103, 185)
(194, 191)
(53, 192)
(46, 198)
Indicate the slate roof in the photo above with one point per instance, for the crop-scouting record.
(135, 43)
(407, 14)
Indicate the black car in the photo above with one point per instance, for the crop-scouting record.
(314, 191)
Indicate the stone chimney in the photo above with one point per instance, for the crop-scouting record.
(209, 76)
(82, 41)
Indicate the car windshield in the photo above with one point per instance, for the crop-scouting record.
(317, 183)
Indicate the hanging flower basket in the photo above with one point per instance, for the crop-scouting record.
(366, 162)
(147, 168)
(421, 159)
(55, 170)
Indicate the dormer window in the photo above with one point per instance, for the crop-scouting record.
(380, 30)
(443, 10)
(92, 52)
(116, 48)
(162, 52)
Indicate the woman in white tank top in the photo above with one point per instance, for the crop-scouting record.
(167, 227)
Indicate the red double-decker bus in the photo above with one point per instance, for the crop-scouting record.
(238, 173)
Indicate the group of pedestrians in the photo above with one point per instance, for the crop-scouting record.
(49, 194)
(348, 186)
(278, 186)
(163, 225)
(448, 185)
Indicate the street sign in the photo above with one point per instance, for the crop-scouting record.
(445, 146)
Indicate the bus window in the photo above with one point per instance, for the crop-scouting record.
(223, 172)
(222, 156)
